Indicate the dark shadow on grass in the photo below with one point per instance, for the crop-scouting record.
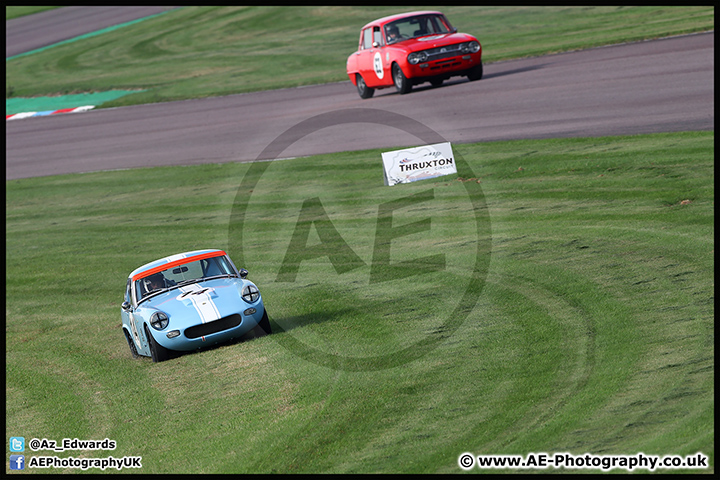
(248, 337)
(288, 324)
(299, 321)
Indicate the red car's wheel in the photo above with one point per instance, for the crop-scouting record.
(475, 73)
(363, 90)
(402, 84)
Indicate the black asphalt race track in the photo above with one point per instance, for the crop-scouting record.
(663, 85)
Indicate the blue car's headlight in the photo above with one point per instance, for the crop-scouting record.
(250, 293)
(159, 320)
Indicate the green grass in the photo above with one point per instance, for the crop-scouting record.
(198, 52)
(593, 332)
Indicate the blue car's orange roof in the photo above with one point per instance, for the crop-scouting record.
(173, 261)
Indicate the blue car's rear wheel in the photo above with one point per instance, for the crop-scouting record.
(157, 351)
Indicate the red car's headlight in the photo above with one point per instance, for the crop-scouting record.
(417, 57)
(470, 47)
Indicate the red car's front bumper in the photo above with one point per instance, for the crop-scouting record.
(446, 67)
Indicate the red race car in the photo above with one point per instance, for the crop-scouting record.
(409, 49)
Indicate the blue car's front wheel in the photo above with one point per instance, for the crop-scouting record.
(263, 327)
(157, 351)
(131, 344)
(264, 323)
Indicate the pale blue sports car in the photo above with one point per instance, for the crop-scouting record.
(189, 301)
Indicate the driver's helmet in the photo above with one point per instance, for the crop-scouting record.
(154, 282)
(393, 30)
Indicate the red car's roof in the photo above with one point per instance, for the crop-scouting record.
(392, 18)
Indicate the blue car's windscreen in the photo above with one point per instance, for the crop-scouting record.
(182, 274)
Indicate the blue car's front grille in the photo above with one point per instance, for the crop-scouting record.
(219, 325)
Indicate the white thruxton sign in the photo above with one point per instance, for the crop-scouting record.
(418, 163)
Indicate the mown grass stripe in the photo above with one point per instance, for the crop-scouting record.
(593, 332)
